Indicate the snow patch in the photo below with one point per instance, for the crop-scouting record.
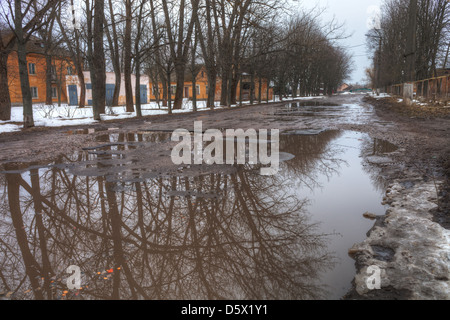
(420, 246)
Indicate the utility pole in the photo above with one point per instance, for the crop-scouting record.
(410, 54)
(379, 65)
(378, 58)
(446, 56)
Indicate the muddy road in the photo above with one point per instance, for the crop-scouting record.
(363, 184)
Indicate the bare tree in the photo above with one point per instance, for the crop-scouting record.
(96, 55)
(410, 51)
(127, 56)
(179, 39)
(74, 46)
(113, 40)
(24, 18)
(207, 46)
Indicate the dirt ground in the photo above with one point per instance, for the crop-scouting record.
(424, 132)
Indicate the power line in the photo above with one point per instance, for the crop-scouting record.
(357, 46)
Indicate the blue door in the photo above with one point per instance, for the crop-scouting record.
(109, 94)
(144, 94)
(73, 95)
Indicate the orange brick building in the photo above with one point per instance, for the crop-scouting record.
(201, 84)
(202, 87)
(37, 68)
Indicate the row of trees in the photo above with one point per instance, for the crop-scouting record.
(411, 42)
(166, 39)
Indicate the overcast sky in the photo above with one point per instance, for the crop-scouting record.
(355, 14)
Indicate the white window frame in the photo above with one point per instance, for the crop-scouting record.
(31, 64)
(55, 91)
(37, 92)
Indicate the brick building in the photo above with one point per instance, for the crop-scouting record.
(61, 66)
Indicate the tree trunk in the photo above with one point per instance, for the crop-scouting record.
(194, 94)
(229, 88)
(169, 91)
(252, 88)
(165, 90)
(82, 99)
(27, 100)
(96, 57)
(180, 68)
(5, 99)
(115, 57)
(23, 68)
(48, 80)
(138, 88)
(240, 89)
(234, 86)
(99, 56)
(127, 58)
(212, 77)
(224, 89)
(259, 90)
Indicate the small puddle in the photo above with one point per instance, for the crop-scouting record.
(309, 109)
(320, 114)
(140, 227)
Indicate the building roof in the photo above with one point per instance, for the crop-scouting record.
(6, 36)
(188, 74)
(33, 45)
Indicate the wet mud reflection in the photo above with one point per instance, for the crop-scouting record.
(140, 228)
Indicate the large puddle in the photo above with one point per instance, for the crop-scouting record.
(139, 227)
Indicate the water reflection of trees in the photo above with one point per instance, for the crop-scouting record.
(315, 156)
(233, 235)
(375, 147)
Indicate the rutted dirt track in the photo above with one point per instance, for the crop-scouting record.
(414, 264)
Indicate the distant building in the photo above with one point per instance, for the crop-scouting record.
(343, 87)
(73, 88)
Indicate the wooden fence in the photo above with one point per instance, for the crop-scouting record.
(429, 89)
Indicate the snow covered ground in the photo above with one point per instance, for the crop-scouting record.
(65, 115)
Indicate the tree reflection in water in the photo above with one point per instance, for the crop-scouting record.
(376, 147)
(143, 234)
